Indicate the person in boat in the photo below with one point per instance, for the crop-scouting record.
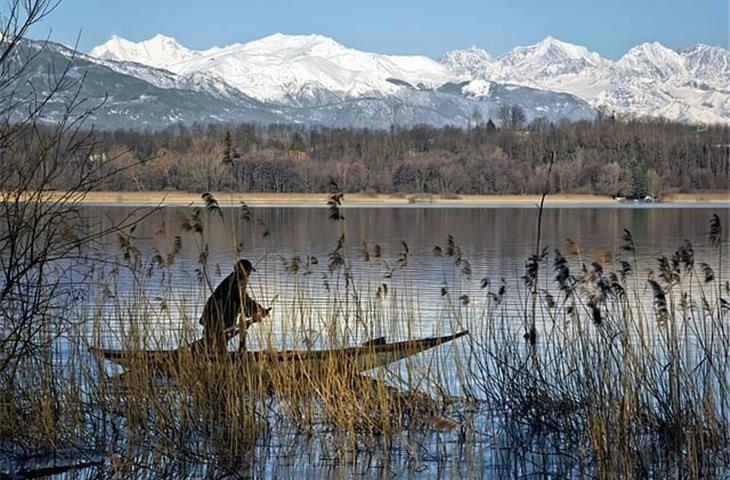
(228, 301)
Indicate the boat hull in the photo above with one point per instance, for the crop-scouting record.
(306, 362)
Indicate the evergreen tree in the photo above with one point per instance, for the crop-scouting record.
(227, 149)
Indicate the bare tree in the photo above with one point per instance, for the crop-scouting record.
(517, 117)
(511, 117)
(504, 116)
(44, 237)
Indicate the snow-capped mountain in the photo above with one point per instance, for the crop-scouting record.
(122, 96)
(469, 62)
(288, 69)
(316, 73)
(652, 61)
(125, 94)
(312, 79)
(546, 61)
(708, 64)
(313, 71)
(159, 51)
(690, 85)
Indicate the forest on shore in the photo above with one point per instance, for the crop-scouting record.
(608, 157)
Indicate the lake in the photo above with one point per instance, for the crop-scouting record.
(548, 368)
(495, 241)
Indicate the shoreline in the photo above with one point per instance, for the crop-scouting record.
(227, 199)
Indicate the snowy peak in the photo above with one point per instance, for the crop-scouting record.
(551, 47)
(548, 58)
(289, 69)
(706, 52)
(649, 80)
(708, 64)
(293, 45)
(652, 60)
(528, 65)
(471, 61)
(159, 51)
(700, 63)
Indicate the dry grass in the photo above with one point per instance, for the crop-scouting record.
(368, 198)
(354, 199)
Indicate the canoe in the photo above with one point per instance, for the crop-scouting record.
(349, 359)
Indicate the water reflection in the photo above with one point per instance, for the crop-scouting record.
(495, 241)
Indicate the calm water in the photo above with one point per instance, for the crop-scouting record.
(495, 241)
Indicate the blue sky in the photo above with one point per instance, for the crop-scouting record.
(427, 27)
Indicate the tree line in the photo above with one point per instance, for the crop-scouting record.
(607, 156)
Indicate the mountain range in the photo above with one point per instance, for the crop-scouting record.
(691, 85)
(314, 80)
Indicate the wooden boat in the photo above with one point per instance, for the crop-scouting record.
(351, 360)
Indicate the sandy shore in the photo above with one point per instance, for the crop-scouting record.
(359, 199)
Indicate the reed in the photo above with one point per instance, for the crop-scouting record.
(621, 373)
(638, 386)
